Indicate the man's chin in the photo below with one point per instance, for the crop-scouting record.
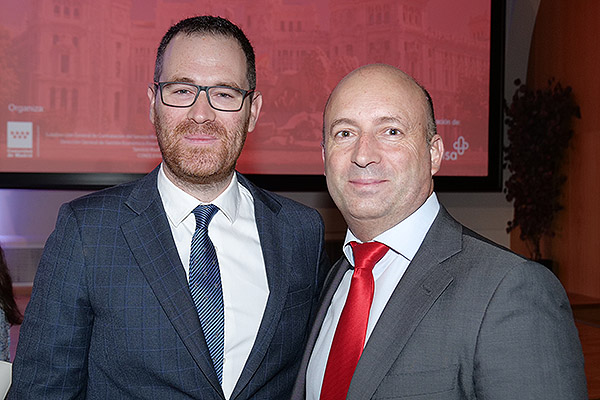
(202, 175)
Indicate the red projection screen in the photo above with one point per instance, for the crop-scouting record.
(74, 110)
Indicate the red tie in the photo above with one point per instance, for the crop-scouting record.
(349, 338)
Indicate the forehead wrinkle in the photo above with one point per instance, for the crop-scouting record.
(389, 120)
(378, 121)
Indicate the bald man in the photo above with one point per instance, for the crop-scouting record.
(441, 312)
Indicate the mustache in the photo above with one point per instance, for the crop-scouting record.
(212, 128)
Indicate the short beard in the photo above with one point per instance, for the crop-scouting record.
(198, 166)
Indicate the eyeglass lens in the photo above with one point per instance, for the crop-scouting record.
(220, 97)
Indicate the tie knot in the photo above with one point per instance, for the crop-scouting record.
(366, 255)
(204, 214)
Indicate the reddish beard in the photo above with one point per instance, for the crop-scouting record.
(196, 164)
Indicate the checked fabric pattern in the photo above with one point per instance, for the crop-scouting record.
(205, 286)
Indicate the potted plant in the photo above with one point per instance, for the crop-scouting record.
(539, 131)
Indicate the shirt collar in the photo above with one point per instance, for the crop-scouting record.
(179, 204)
(406, 237)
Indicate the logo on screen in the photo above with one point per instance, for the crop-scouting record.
(19, 135)
(460, 147)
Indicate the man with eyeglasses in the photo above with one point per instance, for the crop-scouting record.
(191, 283)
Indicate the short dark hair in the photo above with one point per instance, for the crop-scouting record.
(431, 128)
(7, 300)
(208, 25)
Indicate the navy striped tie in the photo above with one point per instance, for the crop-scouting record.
(205, 286)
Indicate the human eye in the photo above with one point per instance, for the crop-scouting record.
(393, 132)
(342, 134)
(184, 91)
(179, 89)
(225, 93)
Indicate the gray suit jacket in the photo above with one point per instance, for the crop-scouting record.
(468, 320)
(111, 315)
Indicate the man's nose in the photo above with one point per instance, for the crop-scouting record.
(365, 150)
(201, 111)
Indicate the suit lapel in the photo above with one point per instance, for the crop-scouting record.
(151, 242)
(278, 260)
(419, 288)
(334, 277)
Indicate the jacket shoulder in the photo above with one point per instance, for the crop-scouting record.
(115, 195)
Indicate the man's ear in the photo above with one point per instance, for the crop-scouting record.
(254, 110)
(152, 98)
(436, 149)
(323, 156)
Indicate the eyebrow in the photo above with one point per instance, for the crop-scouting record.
(342, 121)
(189, 80)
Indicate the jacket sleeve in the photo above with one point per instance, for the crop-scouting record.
(51, 358)
(528, 346)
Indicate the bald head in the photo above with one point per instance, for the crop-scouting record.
(380, 148)
(387, 74)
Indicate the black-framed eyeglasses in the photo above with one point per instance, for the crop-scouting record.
(184, 94)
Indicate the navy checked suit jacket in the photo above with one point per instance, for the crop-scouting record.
(111, 315)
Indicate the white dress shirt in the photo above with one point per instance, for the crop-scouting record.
(234, 234)
(404, 240)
